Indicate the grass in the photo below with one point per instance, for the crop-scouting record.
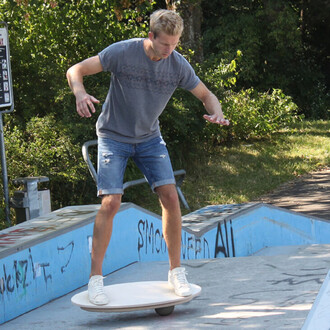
(244, 171)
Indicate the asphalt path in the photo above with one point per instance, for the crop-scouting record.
(308, 194)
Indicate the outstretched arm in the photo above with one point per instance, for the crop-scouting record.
(211, 105)
(75, 75)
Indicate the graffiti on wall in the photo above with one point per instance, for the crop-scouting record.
(151, 241)
(50, 223)
(13, 236)
(69, 249)
(224, 243)
(194, 247)
(21, 273)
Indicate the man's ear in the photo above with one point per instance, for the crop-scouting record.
(151, 36)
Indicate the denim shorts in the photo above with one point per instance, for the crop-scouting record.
(151, 157)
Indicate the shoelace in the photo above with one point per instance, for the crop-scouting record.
(180, 278)
(98, 287)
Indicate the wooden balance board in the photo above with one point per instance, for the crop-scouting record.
(135, 296)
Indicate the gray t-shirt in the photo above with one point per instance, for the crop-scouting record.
(139, 90)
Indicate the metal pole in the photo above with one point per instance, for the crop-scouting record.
(4, 171)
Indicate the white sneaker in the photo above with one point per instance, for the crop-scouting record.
(177, 280)
(96, 292)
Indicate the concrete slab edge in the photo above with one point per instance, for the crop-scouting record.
(319, 316)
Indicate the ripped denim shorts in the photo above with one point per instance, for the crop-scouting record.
(151, 157)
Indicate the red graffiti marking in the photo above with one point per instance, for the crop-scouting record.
(16, 234)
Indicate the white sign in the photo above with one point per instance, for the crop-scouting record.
(5, 74)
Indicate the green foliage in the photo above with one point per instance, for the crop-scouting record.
(182, 122)
(45, 148)
(251, 113)
(277, 50)
(228, 27)
(254, 114)
(242, 172)
(45, 132)
(48, 36)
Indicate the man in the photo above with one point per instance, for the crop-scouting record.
(144, 75)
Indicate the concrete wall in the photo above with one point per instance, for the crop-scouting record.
(53, 267)
(48, 257)
(262, 226)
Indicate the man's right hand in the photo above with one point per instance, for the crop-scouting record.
(75, 74)
(85, 105)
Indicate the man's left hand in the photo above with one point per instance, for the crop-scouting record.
(215, 119)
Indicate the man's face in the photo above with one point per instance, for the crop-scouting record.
(164, 44)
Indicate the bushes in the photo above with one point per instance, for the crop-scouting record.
(47, 37)
(251, 113)
(45, 148)
(44, 135)
(284, 45)
(255, 114)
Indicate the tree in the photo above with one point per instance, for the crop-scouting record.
(274, 39)
(191, 12)
(46, 38)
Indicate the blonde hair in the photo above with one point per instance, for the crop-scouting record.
(166, 21)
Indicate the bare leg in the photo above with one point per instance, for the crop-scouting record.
(171, 222)
(103, 230)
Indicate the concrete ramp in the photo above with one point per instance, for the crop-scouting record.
(48, 257)
(262, 292)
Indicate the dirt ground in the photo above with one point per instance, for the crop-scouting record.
(309, 194)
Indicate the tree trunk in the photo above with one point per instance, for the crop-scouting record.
(191, 12)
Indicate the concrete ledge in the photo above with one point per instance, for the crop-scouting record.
(43, 228)
(319, 316)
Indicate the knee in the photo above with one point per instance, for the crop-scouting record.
(169, 198)
(111, 204)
